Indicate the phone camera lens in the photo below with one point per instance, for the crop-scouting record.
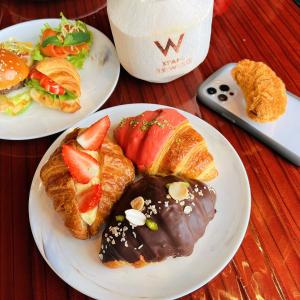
(222, 97)
(224, 88)
(211, 91)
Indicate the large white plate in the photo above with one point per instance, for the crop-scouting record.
(99, 77)
(77, 263)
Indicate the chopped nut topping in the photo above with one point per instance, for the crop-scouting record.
(135, 217)
(178, 190)
(188, 209)
(138, 203)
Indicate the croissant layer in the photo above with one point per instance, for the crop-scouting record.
(116, 171)
(163, 142)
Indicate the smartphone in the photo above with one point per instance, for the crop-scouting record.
(221, 93)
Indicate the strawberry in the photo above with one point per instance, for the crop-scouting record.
(82, 166)
(92, 138)
(90, 198)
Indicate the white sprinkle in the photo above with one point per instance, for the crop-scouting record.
(134, 234)
(193, 203)
(141, 246)
(147, 202)
(182, 203)
(114, 230)
(188, 209)
(166, 203)
(196, 189)
(159, 202)
(126, 244)
(168, 196)
(200, 193)
(152, 209)
(101, 256)
(113, 242)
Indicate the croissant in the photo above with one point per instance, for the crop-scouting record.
(63, 73)
(163, 142)
(178, 224)
(116, 173)
(264, 91)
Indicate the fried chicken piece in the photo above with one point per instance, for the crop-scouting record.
(264, 91)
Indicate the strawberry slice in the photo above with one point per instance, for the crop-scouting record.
(90, 198)
(82, 166)
(92, 138)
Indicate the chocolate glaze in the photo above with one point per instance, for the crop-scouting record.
(177, 231)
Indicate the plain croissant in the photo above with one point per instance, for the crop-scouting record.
(264, 91)
(116, 173)
(163, 142)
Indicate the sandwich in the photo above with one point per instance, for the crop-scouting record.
(14, 97)
(55, 83)
(70, 40)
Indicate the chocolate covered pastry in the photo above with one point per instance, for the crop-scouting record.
(264, 91)
(157, 217)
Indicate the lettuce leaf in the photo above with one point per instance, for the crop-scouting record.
(33, 83)
(78, 60)
(36, 53)
(15, 105)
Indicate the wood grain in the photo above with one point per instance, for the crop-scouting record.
(266, 265)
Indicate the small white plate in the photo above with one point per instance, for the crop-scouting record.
(99, 77)
(77, 262)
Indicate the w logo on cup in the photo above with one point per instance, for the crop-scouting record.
(170, 43)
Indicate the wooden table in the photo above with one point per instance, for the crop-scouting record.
(266, 265)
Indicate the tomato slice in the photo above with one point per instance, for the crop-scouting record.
(35, 74)
(59, 51)
(48, 84)
(51, 86)
(48, 50)
(70, 50)
(48, 32)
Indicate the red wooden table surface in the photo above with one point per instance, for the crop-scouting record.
(266, 265)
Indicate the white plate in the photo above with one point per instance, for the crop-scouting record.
(98, 81)
(77, 263)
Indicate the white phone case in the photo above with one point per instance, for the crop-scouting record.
(283, 135)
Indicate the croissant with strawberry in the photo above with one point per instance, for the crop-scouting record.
(163, 142)
(85, 176)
